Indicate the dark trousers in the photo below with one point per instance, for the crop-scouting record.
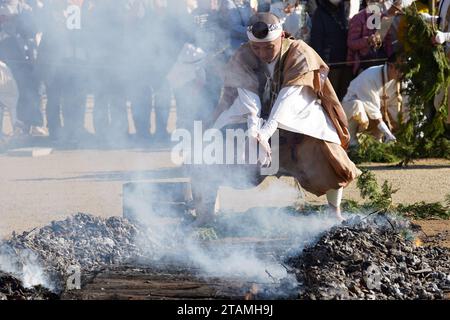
(66, 95)
(142, 102)
(340, 79)
(110, 110)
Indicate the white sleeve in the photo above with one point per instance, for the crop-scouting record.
(287, 98)
(250, 106)
(428, 17)
(246, 107)
(249, 102)
(370, 99)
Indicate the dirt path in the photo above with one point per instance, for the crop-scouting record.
(425, 180)
(35, 191)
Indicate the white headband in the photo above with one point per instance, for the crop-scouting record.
(275, 31)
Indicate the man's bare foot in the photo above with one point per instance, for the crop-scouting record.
(336, 211)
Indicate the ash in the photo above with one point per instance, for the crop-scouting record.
(364, 258)
(12, 289)
(83, 241)
(373, 258)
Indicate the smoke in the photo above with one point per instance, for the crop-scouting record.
(250, 246)
(25, 265)
(122, 53)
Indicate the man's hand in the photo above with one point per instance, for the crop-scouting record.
(388, 136)
(262, 131)
(441, 37)
(264, 155)
(374, 40)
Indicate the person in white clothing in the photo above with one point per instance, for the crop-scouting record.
(443, 37)
(373, 102)
(273, 83)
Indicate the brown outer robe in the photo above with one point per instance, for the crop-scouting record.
(318, 165)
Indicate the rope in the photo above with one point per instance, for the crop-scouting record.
(97, 66)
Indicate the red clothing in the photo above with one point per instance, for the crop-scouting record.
(358, 33)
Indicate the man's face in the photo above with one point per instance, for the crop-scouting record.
(266, 51)
(394, 72)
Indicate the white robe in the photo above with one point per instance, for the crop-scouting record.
(296, 109)
(444, 6)
(367, 87)
(444, 24)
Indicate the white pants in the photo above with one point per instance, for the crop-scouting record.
(334, 197)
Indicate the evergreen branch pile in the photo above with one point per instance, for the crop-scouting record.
(380, 199)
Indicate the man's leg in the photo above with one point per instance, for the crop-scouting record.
(140, 97)
(334, 198)
(163, 96)
(53, 108)
(119, 126)
(74, 108)
(100, 112)
(204, 193)
(28, 105)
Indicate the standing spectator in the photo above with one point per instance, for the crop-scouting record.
(17, 34)
(105, 22)
(364, 39)
(179, 26)
(294, 16)
(329, 39)
(63, 58)
(152, 56)
(235, 16)
(150, 60)
(187, 75)
(140, 66)
(209, 36)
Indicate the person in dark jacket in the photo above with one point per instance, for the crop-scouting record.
(62, 62)
(105, 24)
(17, 34)
(329, 39)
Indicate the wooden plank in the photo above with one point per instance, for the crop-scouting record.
(152, 283)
